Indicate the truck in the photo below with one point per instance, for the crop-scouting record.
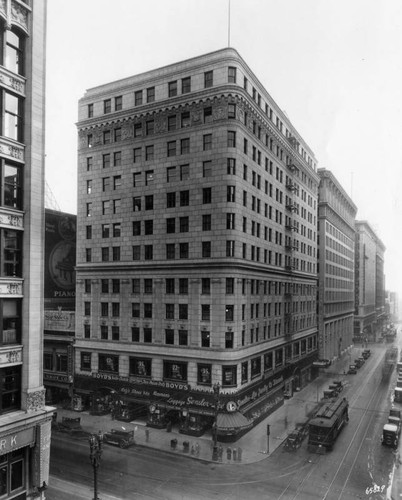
(390, 435)
(389, 363)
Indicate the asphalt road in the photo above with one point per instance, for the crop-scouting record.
(357, 463)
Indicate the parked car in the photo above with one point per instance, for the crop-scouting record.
(120, 438)
(352, 370)
(359, 362)
(366, 353)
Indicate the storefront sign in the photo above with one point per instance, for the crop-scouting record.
(56, 378)
(60, 320)
(259, 391)
(11, 357)
(17, 440)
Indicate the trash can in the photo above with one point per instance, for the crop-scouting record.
(186, 446)
(239, 452)
(234, 454)
(173, 444)
(229, 453)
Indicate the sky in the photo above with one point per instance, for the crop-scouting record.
(334, 67)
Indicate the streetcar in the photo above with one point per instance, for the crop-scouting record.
(325, 427)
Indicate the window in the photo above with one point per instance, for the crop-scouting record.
(184, 146)
(205, 339)
(87, 309)
(244, 372)
(207, 115)
(184, 224)
(136, 228)
(183, 337)
(149, 177)
(206, 222)
(14, 55)
(207, 142)
(229, 375)
(184, 198)
(90, 110)
(87, 286)
(183, 250)
(172, 88)
(11, 185)
(104, 309)
(116, 206)
(230, 221)
(105, 183)
(10, 253)
(170, 174)
(118, 103)
(150, 127)
(207, 168)
(255, 367)
(116, 181)
(148, 252)
(137, 129)
(170, 225)
(115, 286)
(117, 134)
(171, 148)
(206, 249)
(135, 310)
(149, 202)
(135, 334)
(151, 94)
(231, 166)
(229, 340)
(186, 85)
(108, 363)
(90, 139)
(185, 119)
(140, 367)
(149, 153)
(148, 335)
(205, 312)
(169, 311)
(184, 172)
(204, 374)
(229, 313)
(88, 254)
(230, 248)
(148, 226)
(105, 254)
(169, 286)
(170, 251)
(205, 286)
(170, 200)
(231, 139)
(172, 123)
(10, 390)
(135, 286)
(107, 137)
(86, 361)
(106, 160)
(136, 252)
(115, 309)
(116, 254)
(12, 117)
(104, 286)
(229, 286)
(90, 163)
(148, 287)
(183, 311)
(175, 370)
(231, 111)
(231, 194)
(148, 310)
(116, 230)
(107, 106)
(208, 79)
(206, 195)
(138, 97)
(117, 158)
(183, 286)
(231, 74)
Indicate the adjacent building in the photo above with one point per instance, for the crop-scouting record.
(196, 248)
(336, 267)
(59, 309)
(369, 289)
(25, 421)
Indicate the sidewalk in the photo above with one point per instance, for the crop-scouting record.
(254, 445)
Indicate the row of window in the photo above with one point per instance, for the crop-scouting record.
(255, 286)
(178, 370)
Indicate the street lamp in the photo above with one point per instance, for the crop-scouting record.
(95, 454)
(216, 388)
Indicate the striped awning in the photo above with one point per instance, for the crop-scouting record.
(231, 421)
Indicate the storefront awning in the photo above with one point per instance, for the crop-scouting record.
(229, 421)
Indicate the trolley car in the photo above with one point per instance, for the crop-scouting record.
(327, 424)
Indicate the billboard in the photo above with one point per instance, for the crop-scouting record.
(60, 260)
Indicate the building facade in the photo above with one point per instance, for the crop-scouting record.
(25, 421)
(336, 267)
(59, 309)
(369, 275)
(196, 247)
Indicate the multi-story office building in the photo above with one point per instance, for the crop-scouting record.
(336, 262)
(369, 275)
(196, 246)
(24, 419)
(59, 310)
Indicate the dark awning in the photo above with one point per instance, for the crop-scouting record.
(230, 421)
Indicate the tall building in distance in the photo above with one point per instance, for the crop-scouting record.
(24, 419)
(196, 247)
(336, 267)
(370, 292)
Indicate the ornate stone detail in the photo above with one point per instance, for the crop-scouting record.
(13, 356)
(19, 15)
(127, 132)
(14, 288)
(35, 400)
(160, 125)
(11, 220)
(196, 116)
(16, 153)
(3, 7)
(219, 113)
(16, 85)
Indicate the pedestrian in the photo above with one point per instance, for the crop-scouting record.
(147, 435)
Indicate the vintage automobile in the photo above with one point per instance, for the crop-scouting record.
(119, 437)
(352, 370)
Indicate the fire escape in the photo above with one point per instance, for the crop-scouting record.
(291, 242)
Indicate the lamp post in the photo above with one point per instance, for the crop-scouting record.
(95, 454)
(216, 388)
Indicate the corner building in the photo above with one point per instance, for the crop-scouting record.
(336, 245)
(25, 421)
(196, 248)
